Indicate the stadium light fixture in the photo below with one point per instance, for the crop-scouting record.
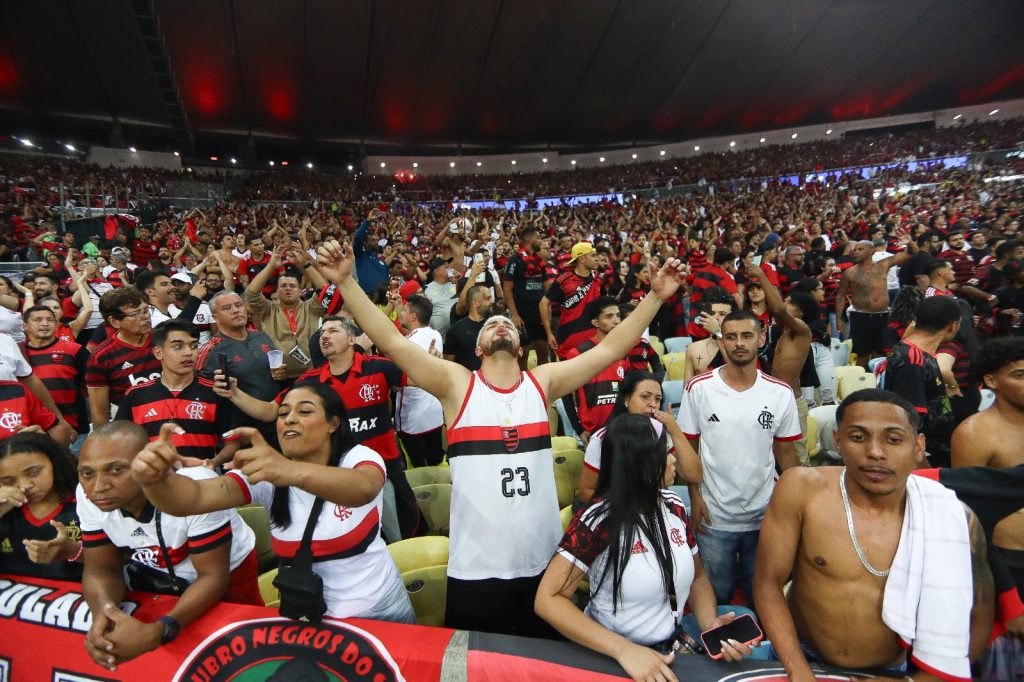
(544, 160)
(601, 159)
(131, 149)
(828, 132)
(177, 153)
(513, 162)
(573, 162)
(993, 112)
(70, 147)
(213, 158)
(309, 165)
(234, 160)
(793, 136)
(958, 117)
(762, 140)
(634, 155)
(382, 164)
(733, 143)
(271, 163)
(479, 163)
(350, 166)
(696, 147)
(661, 153)
(451, 164)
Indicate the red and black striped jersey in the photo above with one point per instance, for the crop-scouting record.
(639, 358)
(19, 407)
(573, 294)
(118, 366)
(60, 365)
(143, 252)
(196, 408)
(251, 267)
(700, 281)
(596, 398)
(365, 389)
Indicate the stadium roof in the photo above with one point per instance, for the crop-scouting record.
(404, 76)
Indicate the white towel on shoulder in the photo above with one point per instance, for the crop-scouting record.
(929, 592)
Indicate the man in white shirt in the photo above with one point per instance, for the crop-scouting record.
(158, 289)
(747, 423)
(418, 415)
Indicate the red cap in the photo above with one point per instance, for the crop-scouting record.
(408, 289)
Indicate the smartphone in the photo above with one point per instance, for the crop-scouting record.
(744, 630)
(222, 365)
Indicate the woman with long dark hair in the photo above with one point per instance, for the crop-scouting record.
(639, 393)
(636, 544)
(318, 458)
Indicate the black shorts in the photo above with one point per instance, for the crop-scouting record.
(534, 328)
(496, 605)
(867, 330)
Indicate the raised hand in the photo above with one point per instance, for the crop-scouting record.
(49, 551)
(259, 461)
(668, 279)
(335, 260)
(159, 457)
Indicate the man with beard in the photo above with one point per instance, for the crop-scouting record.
(523, 289)
(865, 284)
(460, 342)
(364, 384)
(747, 425)
(258, 259)
(504, 518)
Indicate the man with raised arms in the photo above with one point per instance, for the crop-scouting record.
(867, 588)
(504, 514)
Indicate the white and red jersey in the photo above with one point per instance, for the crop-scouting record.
(504, 515)
(184, 536)
(592, 455)
(348, 552)
(416, 411)
(737, 430)
(644, 613)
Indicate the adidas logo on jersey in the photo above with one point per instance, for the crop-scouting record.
(127, 365)
(714, 418)
(151, 413)
(138, 533)
(638, 548)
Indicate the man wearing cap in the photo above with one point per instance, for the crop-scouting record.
(768, 251)
(572, 291)
(158, 289)
(441, 293)
(120, 272)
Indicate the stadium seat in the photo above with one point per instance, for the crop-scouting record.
(853, 383)
(435, 501)
(825, 418)
(843, 371)
(672, 395)
(657, 345)
(421, 552)
(427, 475)
(873, 364)
(840, 353)
(568, 466)
(559, 443)
(553, 420)
(677, 344)
(271, 597)
(813, 446)
(988, 397)
(255, 516)
(566, 514)
(427, 588)
(531, 360)
(675, 365)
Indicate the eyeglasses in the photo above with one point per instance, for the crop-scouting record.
(140, 314)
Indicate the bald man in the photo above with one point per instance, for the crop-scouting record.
(865, 285)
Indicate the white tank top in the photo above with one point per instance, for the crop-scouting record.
(504, 517)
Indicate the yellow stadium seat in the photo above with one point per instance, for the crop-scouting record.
(271, 597)
(675, 365)
(853, 383)
(568, 466)
(813, 446)
(531, 360)
(427, 588)
(560, 443)
(553, 421)
(843, 371)
(657, 345)
(427, 475)
(421, 552)
(255, 516)
(435, 501)
(567, 515)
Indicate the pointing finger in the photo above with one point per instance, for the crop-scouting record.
(247, 433)
(169, 429)
(62, 530)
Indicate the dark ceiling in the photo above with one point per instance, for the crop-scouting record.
(430, 75)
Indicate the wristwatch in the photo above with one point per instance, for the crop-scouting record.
(171, 629)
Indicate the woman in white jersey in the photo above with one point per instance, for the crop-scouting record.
(319, 460)
(639, 393)
(636, 545)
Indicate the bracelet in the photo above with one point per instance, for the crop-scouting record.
(307, 265)
(78, 554)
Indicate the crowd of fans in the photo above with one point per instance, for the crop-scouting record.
(292, 340)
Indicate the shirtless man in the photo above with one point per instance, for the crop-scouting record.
(791, 349)
(833, 611)
(229, 259)
(706, 354)
(995, 438)
(864, 283)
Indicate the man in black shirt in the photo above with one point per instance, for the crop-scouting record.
(914, 272)
(912, 371)
(460, 343)
(523, 290)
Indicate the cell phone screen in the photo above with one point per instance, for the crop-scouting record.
(744, 629)
(222, 364)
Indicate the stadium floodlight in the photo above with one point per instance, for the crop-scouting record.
(131, 149)
(793, 136)
(177, 153)
(733, 143)
(828, 132)
(234, 160)
(661, 153)
(958, 117)
(544, 160)
(309, 165)
(382, 164)
(513, 162)
(415, 164)
(696, 147)
(762, 140)
(993, 112)
(451, 164)
(350, 166)
(271, 163)
(70, 147)
(601, 159)
(479, 163)
(573, 162)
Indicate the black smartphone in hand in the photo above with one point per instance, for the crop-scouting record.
(222, 365)
(744, 630)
